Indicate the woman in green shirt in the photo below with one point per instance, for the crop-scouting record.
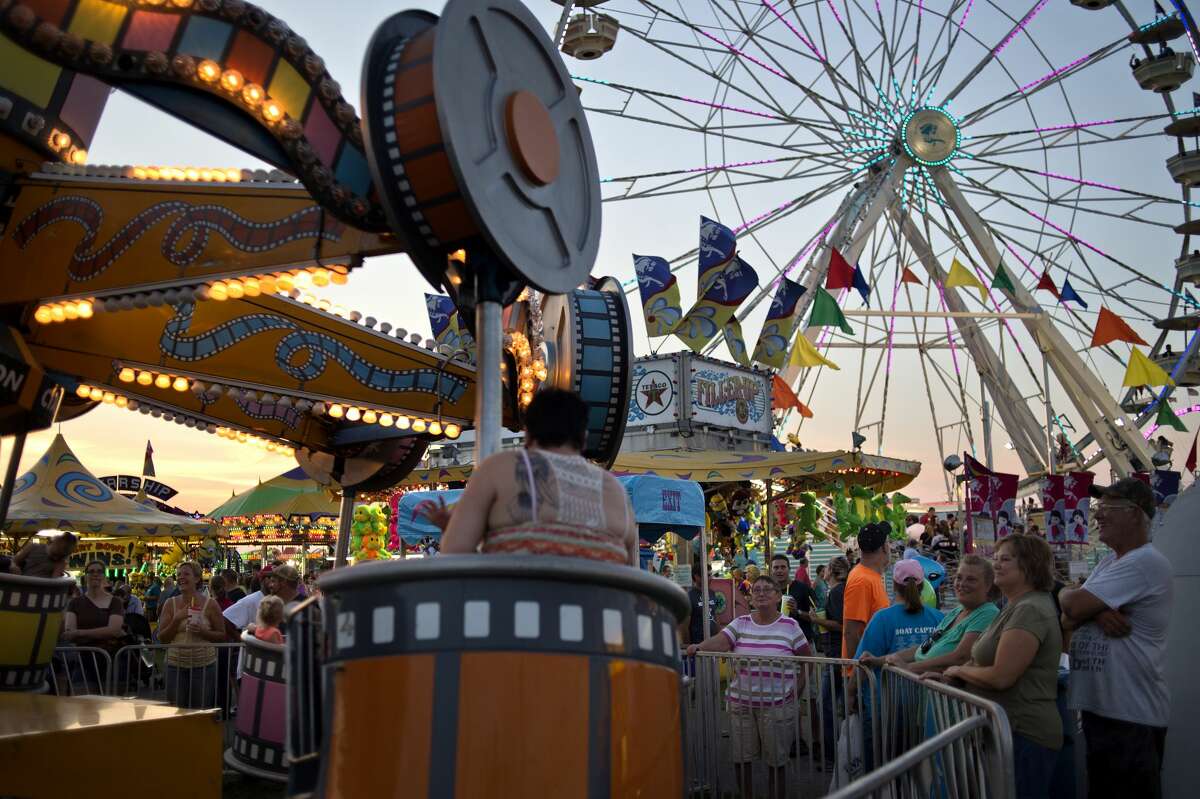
(950, 644)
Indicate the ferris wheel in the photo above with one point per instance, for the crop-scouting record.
(1051, 143)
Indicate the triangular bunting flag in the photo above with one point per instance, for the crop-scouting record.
(148, 463)
(1167, 418)
(717, 247)
(1190, 465)
(1142, 371)
(1046, 284)
(1110, 327)
(861, 285)
(826, 313)
(772, 346)
(1001, 280)
(1070, 295)
(783, 398)
(736, 342)
(961, 276)
(907, 276)
(841, 273)
(805, 354)
(659, 293)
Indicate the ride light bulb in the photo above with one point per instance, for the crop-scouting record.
(235, 290)
(435, 429)
(253, 94)
(79, 156)
(44, 315)
(353, 414)
(370, 417)
(218, 292)
(386, 420)
(127, 375)
(402, 423)
(418, 425)
(232, 80)
(96, 394)
(272, 111)
(82, 391)
(208, 71)
(85, 309)
(453, 430)
(145, 378)
(162, 381)
(336, 411)
(57, 313)
(122, 402)
(180, 384)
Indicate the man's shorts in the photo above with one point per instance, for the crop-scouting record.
(766, 732)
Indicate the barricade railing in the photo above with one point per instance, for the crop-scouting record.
(799, 719)
(305, 687)
(79, 671)
(938, 741)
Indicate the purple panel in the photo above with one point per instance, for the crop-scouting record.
(247, 704)
(150, 31)
(322, 134)
(274, 712)
(84, 105)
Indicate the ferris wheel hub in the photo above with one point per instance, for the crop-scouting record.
(930, 136)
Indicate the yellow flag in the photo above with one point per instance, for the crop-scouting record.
(1142, 371)
(961, 276)
(805, 354)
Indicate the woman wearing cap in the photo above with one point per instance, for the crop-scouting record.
(950, 644)
(906, 624)
(1015, 661)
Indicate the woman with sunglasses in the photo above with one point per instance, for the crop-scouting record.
(950, 644)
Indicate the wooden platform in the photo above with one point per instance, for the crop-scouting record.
(54, 746)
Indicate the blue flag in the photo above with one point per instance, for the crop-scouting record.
(708, 316)
(772, 347)
(1068, 293)
(860, 283)
(446, 324)
(659, 292)
(717, 246)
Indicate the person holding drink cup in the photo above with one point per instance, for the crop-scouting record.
(190, 618)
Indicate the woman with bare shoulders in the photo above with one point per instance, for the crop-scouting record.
(544, 499)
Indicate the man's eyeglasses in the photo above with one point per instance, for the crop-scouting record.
(764, 591)
(931, 640)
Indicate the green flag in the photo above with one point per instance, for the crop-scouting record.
(1167, 418)
(1002, 280)
(825, 312)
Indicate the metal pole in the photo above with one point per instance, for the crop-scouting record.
(1050, 464)
(10, 479)
(344, 521)
(704, 583)
(767, 528)
(490, 339)
(987, 427)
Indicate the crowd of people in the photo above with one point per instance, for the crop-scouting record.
(1045, 652)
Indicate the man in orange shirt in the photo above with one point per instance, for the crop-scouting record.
(865, 594)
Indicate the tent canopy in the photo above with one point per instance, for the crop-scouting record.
(662, 504)
(60, 493)
(290, 494)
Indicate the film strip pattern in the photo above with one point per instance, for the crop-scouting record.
(601, 367)
(230, 49)
(191, 223)
(501, 615)
(258, 737)
(31, 616)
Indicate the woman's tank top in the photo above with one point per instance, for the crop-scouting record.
(191, 657)
(580, 529)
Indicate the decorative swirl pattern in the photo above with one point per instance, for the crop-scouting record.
(269, 411)
(24, 482)
(302, 354)
(81, 488)
(89, 260)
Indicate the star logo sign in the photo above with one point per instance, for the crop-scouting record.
(652, 394)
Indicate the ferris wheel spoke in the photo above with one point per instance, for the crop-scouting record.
(1064, 143)
(1076, 206)
(995, 51)
(932, 72)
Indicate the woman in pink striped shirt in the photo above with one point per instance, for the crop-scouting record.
(763, 694)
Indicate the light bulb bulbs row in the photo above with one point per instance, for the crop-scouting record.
(531, 371)
(145, 377)
(235, 288)
(64, 311)
(61, 142)
(189, 174)
(242, 437)
(353, 413)
(233, 82)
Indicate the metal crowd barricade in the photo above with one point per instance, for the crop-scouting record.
(938, 741)
(818, 700)
(305, 694)
(142, 671)
(79, 671)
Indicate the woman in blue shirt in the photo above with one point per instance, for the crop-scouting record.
(906, 624)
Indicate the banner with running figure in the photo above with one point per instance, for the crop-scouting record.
(717, 247)
(708, 317)
(446, 323)
(772, 347)
(659, 292)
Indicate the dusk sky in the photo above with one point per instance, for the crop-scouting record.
(206, 469)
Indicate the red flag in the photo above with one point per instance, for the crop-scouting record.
(782, 398)
(1110, 327)
(148, 464)
(840, 274)
(1191, 459)
(1046, 283)
(907, 276)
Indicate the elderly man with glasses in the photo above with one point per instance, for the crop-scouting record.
(1119, 618)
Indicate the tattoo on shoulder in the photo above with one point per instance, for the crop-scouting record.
(544, 487)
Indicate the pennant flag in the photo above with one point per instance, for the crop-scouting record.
(961, 276)
(783, 398)
(148, 463)
(735, 342)
(974, 468)
(840, 274)
(1047, 284)
(1001, 280)
(806, 355)
(707, 317)
(907, 276)
(1167, 418)
(1070, 295)
(860, 284)
(659, 293)
(445, 322)
(717, 246)
(780, 324)
(1110, 327)
(1142, 371)
(1190, 465)
(825, 313)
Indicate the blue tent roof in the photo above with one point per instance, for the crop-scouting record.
(662, 504)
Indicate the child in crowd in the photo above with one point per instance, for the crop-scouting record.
(270, 616)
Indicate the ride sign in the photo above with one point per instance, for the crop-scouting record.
(28, 399)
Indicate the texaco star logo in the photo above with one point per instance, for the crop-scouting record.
(654, 393)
